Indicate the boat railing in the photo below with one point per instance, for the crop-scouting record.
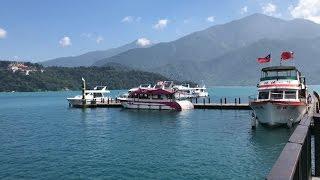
(253, 98)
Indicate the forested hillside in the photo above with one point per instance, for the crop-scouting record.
(41, 78)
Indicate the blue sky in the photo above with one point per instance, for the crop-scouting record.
(37, 30)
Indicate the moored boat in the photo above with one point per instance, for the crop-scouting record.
(282, 96)
(186, 91)
(97, 95)
(160, 97)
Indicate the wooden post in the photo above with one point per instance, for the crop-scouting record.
(209, 101)
(196, 100)
(239, 101)
(221, 101)
(83, 92)
(204, 101)
(235, 101)
(108, 101)
(225, 100)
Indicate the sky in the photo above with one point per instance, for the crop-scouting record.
(38, 30)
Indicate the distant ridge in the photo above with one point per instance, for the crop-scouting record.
(90, 58)
(216, 41)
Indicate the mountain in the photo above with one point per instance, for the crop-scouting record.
(60, 78)
(239, 67)
(215, 41)
(226, 54)
(90, 58)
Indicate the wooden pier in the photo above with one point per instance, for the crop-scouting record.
(204, 104)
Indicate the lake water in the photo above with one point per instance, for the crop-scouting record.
(42, 138)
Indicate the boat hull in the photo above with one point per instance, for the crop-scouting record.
(76, 102)
(160, 105)
(79, 102)
(276, 113)
(203, 94)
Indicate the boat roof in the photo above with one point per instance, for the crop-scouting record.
(97, 91)
(279, 68)
(153, 91)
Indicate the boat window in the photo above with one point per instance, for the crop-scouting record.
(276, 94)
(284, 74)
(264, 95)
(96, 95)
(290, 94)
(134, 95)
(157, 96)
(143, 96)
(99, 87)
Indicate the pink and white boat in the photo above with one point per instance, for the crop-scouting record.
(159, 97)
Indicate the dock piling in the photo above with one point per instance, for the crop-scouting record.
(225, 100)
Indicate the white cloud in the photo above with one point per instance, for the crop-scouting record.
(99, 39)
(65, 41)
(3, 33)
(143, 42)
(127, 19)
(307, 9)
(211, 19)
(269, 9)
(130, 19)
(162, 23)
(244, 10)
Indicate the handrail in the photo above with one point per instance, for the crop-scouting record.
(294, 161)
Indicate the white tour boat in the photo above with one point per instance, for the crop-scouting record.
(185, 91)
(282, 97)
(97, 95)
(201, 91)
(160, 97)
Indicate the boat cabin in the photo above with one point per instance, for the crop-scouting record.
(154, 94)
(279, 72)
(97, 92)
(280, 94)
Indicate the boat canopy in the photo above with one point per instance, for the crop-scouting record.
(279, 68)
(279, 72)
(153, 91)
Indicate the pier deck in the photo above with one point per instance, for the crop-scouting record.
(230, 106)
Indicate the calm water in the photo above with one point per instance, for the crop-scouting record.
(41, 137)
